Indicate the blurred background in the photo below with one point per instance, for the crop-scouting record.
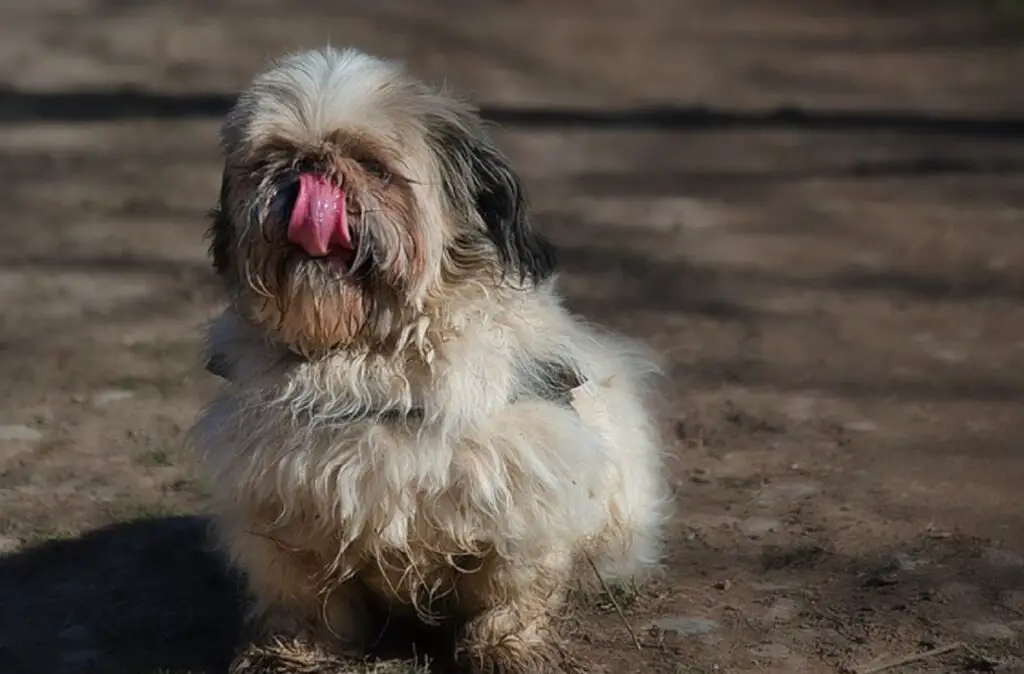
(813, 210)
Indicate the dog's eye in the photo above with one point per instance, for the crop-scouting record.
(376, 169)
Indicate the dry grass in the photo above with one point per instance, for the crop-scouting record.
(293, 657)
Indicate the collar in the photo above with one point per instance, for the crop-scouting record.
(550, 380)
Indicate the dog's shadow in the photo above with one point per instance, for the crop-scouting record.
(140, 596)
(147, 596)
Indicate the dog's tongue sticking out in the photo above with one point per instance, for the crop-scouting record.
(319, 220)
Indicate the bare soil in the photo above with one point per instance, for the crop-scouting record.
(812, 210)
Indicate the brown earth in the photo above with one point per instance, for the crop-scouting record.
(820, 228)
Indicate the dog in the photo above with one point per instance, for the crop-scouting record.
(411, 422)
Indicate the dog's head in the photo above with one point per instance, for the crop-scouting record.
(354, 196)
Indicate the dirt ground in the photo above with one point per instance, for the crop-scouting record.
(813, 210)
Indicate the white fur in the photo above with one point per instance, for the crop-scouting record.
(523, 478)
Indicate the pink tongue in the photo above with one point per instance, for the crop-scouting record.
(319, 220)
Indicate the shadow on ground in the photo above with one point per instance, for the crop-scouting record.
(619, 275)
(644, 280)
(20, 106)
(661, 183)
(141, 596)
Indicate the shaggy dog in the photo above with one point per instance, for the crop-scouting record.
(411, 422)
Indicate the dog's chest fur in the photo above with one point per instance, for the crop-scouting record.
(363, 466)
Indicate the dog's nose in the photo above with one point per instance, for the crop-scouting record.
(284, 201)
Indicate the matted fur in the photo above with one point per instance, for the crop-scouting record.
(407, 460)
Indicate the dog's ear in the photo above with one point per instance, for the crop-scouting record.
(219, 233)
(478, 177)
(524, 252)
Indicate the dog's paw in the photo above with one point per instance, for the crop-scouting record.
(291, 656)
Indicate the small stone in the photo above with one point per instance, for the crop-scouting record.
(8, 544)
(700, 476)
(861, 426)
(796, 489)
(688, 626)
(756, 527)
(907, 563)
(786, 491)
(10, 433)
(992, 631)
(783, 611)
(112, 396)
(723, 585)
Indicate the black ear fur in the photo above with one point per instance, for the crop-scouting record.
(219, 233)
(501, 202)
(477, 170)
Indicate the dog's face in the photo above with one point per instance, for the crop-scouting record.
(354, 196)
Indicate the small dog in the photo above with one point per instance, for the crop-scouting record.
(411, 423)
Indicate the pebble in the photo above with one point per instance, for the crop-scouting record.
(10, 433)
(786, 491)
(783, 611)
(907, 563)
(8, 544)
(755, 527)
(992, 631)
(112, 396)
(687, 625)
(795, 489)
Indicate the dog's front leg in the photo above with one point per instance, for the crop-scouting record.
(295, 621)
(509, 607)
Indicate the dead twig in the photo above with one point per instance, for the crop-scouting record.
(906, 659)
(615, 602)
